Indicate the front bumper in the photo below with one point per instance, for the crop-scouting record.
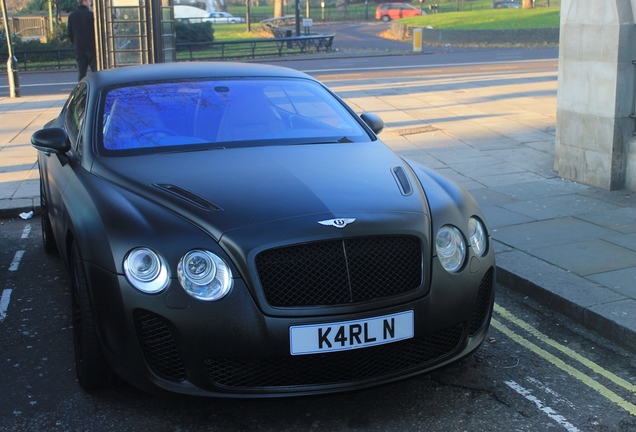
(171, 342)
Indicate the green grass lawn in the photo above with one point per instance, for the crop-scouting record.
(480, 17)
(494, 19)
(225, 32)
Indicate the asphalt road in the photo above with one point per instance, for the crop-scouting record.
(357, 46)
(464, 60)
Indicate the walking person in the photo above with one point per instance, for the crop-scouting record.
(81, 32)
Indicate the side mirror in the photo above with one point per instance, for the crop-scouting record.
(51, 140)
(373, 121)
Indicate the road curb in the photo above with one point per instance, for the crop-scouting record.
(595, 307)
(11, 208)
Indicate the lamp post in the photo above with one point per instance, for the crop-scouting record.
(12, 67)
(297, 17)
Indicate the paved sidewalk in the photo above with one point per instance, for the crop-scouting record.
(19, 178)
(571, 246)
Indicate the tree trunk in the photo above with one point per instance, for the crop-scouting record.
(278, 8)
(527, 4)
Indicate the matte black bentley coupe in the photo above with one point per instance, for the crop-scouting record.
(236, 230)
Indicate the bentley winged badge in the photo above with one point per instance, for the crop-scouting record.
(338, 223)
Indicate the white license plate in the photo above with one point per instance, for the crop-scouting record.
(345, 335)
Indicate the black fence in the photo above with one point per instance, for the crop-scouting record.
(253, 48)
(240, 49)
(63, 58)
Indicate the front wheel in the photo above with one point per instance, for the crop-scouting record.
(91, 368)
(386, 18)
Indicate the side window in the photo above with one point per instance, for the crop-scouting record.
(75, 112)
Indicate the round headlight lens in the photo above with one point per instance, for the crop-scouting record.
(146, 270)
(451, 249)
(477, 236)
(204, 275)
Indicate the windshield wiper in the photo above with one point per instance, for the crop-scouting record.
(326, 141)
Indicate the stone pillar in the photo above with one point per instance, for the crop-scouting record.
(595, 141)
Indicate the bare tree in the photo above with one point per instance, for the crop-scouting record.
(341, 5)
(14, 6)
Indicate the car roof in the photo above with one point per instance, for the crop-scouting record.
(185, 71)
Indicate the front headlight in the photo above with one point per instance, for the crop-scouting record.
(146, 270)
(477, 236)
(451, 249)
(204, 275)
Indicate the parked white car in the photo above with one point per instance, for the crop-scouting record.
(224, 18)
(189, 13)
(193, 14)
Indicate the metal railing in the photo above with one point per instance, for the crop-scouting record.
(253, 48)
(64, 58)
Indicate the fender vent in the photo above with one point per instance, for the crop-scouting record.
(188, 196)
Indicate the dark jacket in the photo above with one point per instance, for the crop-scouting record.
(81, 29)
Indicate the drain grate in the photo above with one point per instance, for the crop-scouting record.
(415, 130)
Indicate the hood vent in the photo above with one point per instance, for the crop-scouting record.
(189, 197)
(402, 180)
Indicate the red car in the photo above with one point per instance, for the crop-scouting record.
(390, 11)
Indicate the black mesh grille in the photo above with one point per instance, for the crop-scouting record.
(340, 271)
(159, 346)
(482, 304)
(336, 367)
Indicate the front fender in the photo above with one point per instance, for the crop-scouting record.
(449, 202)
(107, 221)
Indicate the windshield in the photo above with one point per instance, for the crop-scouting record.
(164, 116)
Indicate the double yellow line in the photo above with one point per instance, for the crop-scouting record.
(500, 312)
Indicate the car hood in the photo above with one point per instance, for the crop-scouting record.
(230, 189)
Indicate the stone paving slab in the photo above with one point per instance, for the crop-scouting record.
(559, 206)
(622, 281)
(549, 233)
(589, 257)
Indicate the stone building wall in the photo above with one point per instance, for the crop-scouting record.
(595, 141)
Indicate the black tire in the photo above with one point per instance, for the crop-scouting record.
(48, 241)
(92, 370)
(386, 18)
